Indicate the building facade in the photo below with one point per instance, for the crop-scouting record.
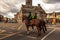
(25, 9)
(54, 15)
(18, 17)
(33, 9)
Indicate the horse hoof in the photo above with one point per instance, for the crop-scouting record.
(38, 35)
(28, 33)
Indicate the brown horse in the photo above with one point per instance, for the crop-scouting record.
(33, 22)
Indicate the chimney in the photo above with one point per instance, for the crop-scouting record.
(38, 4)
(29, 2)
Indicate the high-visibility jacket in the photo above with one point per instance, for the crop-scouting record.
(35, 17)
(30, 17)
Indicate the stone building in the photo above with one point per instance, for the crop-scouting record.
(25, 9)
(18, 16)
(33, 9)
(54, 15)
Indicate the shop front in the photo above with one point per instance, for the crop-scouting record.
(51, 19)
(58, 18)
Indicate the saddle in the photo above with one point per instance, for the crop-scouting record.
(33, 21)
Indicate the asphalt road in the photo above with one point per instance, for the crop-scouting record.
(15, 31)
(24, 36)
(54, 36)
(8, 29)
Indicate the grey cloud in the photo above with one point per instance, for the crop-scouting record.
(9, 6)
(52, 1)
(14, 10)
(21, 1)
(1, 13)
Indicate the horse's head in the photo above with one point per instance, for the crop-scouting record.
(24, 17)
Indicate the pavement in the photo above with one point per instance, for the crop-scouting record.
(15, 31)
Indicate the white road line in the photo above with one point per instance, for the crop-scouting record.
(48, 34)
(32, 37)
(19, 27)
(9, 35)
(28, 36)
(1, 31)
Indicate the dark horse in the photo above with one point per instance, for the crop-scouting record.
(40, 24)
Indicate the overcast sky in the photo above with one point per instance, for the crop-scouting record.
(10, 7)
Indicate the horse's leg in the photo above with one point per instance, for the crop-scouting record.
(32, 27)
(39, 30)
(43, 28)
(27, 29)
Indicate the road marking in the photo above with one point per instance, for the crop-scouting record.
(1, 31)
(12, 34)
(4, 34)
(9, 35)
(19, 27)
(28, 36)
(32, 37)
(48, 34)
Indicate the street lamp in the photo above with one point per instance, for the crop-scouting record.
(55, 14)
(55, 17)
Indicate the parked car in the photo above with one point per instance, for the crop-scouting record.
(12, 21)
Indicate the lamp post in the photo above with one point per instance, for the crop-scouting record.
(54, 18)
(55, 14)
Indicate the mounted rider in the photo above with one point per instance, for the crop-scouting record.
(35, 16)
(32, 17)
